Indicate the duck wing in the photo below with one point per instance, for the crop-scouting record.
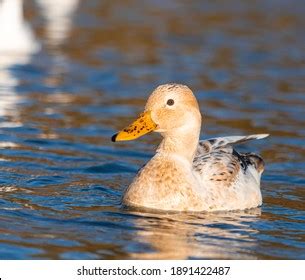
(217, 162)
(209, 145)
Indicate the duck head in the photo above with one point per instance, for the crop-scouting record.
(171, 109)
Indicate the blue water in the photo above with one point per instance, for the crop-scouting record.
(61, 178)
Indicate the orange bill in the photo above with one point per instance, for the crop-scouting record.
(141, 126)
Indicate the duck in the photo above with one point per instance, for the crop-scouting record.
(17, 36)
(187, 174)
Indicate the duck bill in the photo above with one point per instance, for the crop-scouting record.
(141, 126)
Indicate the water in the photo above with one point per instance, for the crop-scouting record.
(89, 74)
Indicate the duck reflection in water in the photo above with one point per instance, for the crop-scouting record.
(192, 235)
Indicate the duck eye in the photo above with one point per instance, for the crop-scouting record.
(170, 102)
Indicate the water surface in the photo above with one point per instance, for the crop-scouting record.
(92, 68)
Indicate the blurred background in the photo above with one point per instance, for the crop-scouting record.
(74, 72)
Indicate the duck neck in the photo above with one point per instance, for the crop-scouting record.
(181, 142)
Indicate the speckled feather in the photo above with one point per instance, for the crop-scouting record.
(230, 174)
(218, 153)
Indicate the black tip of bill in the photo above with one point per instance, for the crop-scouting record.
(113, 138)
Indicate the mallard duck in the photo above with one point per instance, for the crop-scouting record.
(186, 174)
